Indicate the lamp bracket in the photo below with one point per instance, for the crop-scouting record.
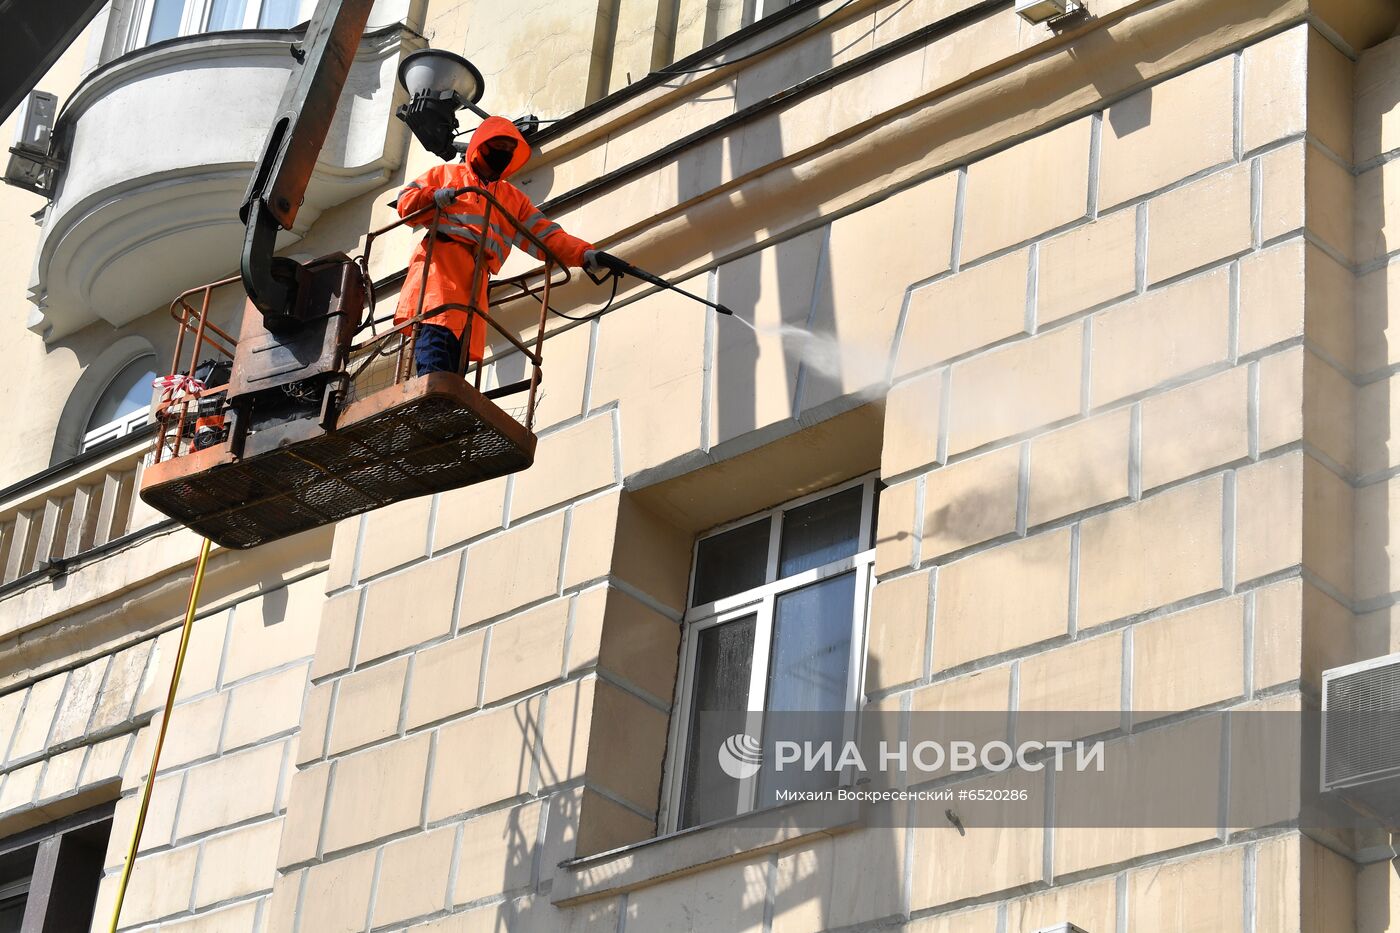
(1073, 8)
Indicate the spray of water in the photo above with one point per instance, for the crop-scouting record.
(840, 361)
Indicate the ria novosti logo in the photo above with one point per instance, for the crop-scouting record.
(740, 756)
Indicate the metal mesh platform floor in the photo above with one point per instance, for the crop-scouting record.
(426, 435)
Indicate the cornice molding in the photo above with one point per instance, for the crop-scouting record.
(148, 205)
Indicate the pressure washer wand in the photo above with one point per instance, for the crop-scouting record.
(622, 267)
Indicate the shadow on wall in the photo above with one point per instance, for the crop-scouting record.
(1125, 117)
(832, 881)
(590, 755)
(274, 606)
(758, 380)
(1377, 94)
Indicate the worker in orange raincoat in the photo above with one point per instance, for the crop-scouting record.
(497, 151)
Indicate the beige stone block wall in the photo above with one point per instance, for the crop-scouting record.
(525, 73)
(978, 616)
(496, 705)
(643, 40)
(757, 372)
(84, 737)
(1033, 187)
(1148, 432)
(660, 385)
(28, 362)
(1377, 305)
(1194, 481)
(1172, 131)
(1155, 443)
(839, 880)
(859, 312)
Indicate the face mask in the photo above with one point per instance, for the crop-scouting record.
(496, 161)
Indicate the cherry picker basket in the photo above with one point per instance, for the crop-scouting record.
(324, 423)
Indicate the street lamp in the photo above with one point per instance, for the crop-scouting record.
(438, 84)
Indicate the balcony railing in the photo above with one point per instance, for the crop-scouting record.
(75, 512)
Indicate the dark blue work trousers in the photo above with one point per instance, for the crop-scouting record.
(437, 350)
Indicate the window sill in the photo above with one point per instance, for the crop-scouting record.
(663, 857)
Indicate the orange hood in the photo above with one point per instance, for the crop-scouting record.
(495, 128)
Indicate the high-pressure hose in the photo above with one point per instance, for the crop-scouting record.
(160, 736)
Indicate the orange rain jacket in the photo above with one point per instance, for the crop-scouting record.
(460, 234)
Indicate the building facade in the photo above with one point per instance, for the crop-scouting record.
(1068, 388)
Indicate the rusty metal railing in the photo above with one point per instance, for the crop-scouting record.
(173, 413)
(407, 332)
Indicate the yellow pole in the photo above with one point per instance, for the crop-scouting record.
(160, 736)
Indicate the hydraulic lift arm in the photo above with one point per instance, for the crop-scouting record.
(293, 144)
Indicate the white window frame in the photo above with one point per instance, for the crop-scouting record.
(755, 10)
(761, 601)
(194, 19)
(15, 890)
(118, 427)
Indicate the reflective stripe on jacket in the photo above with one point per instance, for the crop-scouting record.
(466, 228)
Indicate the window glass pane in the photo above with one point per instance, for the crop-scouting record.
(11, 914)
(808, 675)
(820, 532)
(278, 14)
(874, 516)
(731, 562)
(165, 19)
(718, 709)
(128, 392)
(226, 14)
(809, 666)
(757, 9)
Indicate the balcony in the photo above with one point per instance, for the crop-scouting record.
(77, 544)
(73, 514)
(159, 145)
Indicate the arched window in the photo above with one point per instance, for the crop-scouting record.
(124, 405)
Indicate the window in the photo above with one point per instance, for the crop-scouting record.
(776, 624)
(157, 20)
(757, 9)
(49, 875)
(124, 405)
(13, 894)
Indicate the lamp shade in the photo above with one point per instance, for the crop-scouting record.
(434, 72)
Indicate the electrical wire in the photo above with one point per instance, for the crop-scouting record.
(672, 70)
(472, 130)
(616, 277)
(763, 50)
(371, 299)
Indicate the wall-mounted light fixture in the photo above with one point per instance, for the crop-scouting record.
(438, 84)
(1047, 11)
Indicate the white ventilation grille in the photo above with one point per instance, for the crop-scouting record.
(1361, 736)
